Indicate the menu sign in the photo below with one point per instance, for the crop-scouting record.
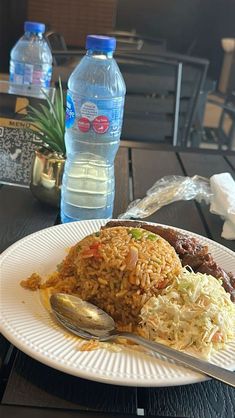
(17, 144)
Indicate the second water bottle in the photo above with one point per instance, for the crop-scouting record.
(31, 62)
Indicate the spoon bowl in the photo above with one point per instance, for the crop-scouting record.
(82, 317)
(90, 322)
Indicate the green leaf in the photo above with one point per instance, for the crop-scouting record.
(49, 120)
(53, 145)
(52, 105)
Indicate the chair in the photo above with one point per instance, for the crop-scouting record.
(57, 43)
(222, 97)
(152, 99)
(132, 41)
(223, 135)
(194, 71)
(220, 136)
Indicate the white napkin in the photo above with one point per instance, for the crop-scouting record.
(223, 202)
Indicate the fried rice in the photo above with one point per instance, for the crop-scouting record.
(118, 269)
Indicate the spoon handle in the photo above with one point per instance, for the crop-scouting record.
(194, 363)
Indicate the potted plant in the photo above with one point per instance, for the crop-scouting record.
(48, 124)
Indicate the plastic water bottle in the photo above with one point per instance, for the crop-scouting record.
(31, 62)
(94, 113)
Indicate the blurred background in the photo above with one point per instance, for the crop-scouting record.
(192, 28)
(189, 26)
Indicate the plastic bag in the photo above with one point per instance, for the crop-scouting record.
(167, 190)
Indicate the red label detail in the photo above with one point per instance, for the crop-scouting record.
(100, 124)
(84, 124)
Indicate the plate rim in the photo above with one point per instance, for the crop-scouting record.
(56, 364)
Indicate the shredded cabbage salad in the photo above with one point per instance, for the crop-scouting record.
(194, 312)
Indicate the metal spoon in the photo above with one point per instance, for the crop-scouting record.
(90, 322)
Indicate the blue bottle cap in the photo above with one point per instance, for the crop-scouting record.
(35, 27)
(100, 43)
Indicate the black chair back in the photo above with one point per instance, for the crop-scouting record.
(225, 132)
(152, 99)
(131, 41)
(193, 78)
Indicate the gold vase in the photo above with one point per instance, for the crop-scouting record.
(46, 176)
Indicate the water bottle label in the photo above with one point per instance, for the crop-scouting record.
(23, 73)
(16, 72)
(70, 112)
(101, 124)
(97, 115)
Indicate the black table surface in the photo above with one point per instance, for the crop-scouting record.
(31, 389)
